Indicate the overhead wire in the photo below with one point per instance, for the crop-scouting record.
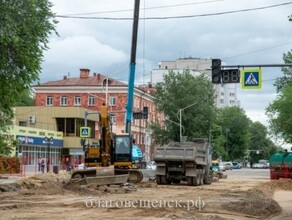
(149, 8)
(179, 17)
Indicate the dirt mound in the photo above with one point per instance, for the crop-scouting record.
(251, 203)
(51, 176)
(268, 188)
(148, 184)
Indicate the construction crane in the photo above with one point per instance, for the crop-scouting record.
(114, 154)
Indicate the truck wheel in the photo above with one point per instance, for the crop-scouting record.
(190, 181)
(163, 180)
(197, 179)
(201, 177)
(176, 181)
(208, 177)
(158, 179)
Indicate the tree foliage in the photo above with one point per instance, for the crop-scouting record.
(278, 111)
(260, 146)
(194, 96)
(25, 99)
(287, 73)
(279, 114)
(231, 134)
(25, 28)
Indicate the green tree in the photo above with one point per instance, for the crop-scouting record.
(260, 146)
(176, 92)
(278, 111)
(279, 114)
(25, 28)
(287, 73)
(25, 99)
(232, 143)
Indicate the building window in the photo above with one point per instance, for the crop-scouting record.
(232, 102)
(222, 93)
(23, 123)
(91, 101)
(222, 101)
(112, 101)
(77, 100)
(113, 118)
(232, 94)
(49, 100)
(63, 101)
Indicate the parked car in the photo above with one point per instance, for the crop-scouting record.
(228, 165)
(257, 166)
(236, 165)
(222, 167)
(81, 166)
(151, 165)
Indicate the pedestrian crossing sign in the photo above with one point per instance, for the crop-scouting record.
(251, 79)
(84, 132)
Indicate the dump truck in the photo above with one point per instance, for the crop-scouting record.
(281, 165)
(184, 161)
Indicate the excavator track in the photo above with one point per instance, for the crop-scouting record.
(135, 176)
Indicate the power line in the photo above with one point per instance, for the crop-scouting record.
(256, 51)
(179, 17)
(149, 8)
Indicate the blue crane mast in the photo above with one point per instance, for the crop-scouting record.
(129, 107)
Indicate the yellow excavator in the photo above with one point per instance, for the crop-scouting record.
(113, 157)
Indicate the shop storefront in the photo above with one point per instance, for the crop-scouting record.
(37, 144)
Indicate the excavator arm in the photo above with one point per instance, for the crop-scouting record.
(105, 139)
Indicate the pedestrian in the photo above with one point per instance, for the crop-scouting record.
(39, 164)
(43, 163)
(68, 168)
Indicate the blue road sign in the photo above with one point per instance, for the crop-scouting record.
(84, 132)
(251, 79)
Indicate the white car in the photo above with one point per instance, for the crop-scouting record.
(151, 165)
(222, 167)
(228, 165)
(81, 166)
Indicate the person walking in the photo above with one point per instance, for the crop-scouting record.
(43, 163)
(67, 165)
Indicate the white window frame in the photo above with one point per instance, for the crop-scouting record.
(112, 101)
(63, 101)
(77, 100)
(91, 101)
(49, 101)
(113, 118)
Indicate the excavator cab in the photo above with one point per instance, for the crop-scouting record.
(122, 150)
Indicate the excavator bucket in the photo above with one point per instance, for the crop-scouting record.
(104, 180)
(103, 176)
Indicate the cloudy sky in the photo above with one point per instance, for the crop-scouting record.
(237, 31)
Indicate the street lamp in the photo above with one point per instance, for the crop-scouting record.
(48, 141)
(180, 120)
(179, 124)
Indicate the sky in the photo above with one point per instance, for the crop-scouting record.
(239, 32)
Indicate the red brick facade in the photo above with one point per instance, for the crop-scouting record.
(87, 86)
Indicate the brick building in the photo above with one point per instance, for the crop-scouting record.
(89, 92)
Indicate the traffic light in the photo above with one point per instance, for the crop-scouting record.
(216, 71)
